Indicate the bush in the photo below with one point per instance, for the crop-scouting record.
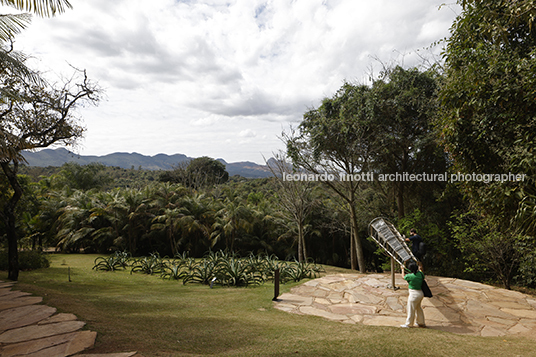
(28, 260)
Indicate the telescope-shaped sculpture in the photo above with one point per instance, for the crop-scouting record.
(387, 237)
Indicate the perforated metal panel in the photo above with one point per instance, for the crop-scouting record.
(388, 237)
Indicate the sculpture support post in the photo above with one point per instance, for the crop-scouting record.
(393, 273)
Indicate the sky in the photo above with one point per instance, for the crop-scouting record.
(223, 78)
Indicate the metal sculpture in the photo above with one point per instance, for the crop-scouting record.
(387, 237)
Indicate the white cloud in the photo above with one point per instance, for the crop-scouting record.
(186, 76)
(247, 133)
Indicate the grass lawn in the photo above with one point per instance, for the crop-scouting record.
(166, 318)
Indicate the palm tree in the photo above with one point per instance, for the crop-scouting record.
(195, 222)
(75, 229)
(137, 204)
(234, 217)
(45, 8)
(11, 61)
(167, 222)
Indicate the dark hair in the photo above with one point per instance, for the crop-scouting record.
(413, 267)
(412, 230)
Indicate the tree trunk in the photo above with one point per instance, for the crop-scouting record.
(304, 247)
(357, 242)
(131, 238)
(353, 257)
(10, 219)
(400, 200)
(13, 253)
(300, 242)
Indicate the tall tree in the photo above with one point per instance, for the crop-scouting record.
(295, 197)
(403, 103)
(200, 172)
(488, 101)
(205, 171)
(37, 116)
(83, 177)
(336, 139)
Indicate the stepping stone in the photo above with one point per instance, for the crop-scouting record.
(39, 331)
(489, 331)
(520, 329)
(527, 313)
(363, 297)
(13, 295)
(4, 291)
(309, 310)
(394, 304)
(473, 285)
(24, 316)
(295, 299)
(53, 346)
(58, 318)
(124, 354)
(442, 314)
(380, 320)
(478, 308)
(353, 309)
(520, 304)
(21, 301)
(286, 307)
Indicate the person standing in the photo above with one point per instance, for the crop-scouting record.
(416, 241)
(414, 308)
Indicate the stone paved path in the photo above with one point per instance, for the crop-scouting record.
(458, 306)
(30, 329)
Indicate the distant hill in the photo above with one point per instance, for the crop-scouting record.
(57, 157)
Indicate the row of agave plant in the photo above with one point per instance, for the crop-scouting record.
(222, 268)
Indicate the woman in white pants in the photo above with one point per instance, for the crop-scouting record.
(414, 279)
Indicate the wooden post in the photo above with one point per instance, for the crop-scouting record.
(393, 273)
(276, 284)
(69, 271)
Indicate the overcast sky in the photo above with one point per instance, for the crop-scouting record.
(223, 78)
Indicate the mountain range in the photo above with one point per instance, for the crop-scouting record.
(58, 157)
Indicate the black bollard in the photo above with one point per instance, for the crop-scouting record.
(276, 284)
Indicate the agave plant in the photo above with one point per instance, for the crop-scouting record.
(174, 272)
(119, 260)
(226, 268)
(236, 272)
(296, 271)
(148, 265)
(203, 272)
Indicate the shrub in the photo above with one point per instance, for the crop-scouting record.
(28, 260)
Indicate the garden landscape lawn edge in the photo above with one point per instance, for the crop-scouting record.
(157, 317)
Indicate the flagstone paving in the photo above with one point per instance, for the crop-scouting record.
(458, 306)
(29, 329)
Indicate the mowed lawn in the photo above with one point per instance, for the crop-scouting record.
(159, 317)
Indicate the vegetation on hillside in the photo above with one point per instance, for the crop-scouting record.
(470, 117)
